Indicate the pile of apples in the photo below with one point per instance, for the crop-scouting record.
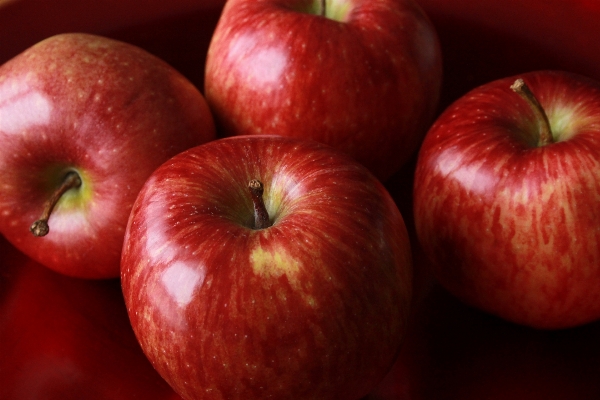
(264, 199)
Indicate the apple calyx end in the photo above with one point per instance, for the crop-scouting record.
(261, 216)
(545, 131)
(40, 227)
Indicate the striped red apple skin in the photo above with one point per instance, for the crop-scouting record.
(315, 304)
(512, 226)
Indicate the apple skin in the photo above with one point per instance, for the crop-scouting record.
(510, 227)
(67, 338)
(368, 86)
(106, 109)
(314, 305)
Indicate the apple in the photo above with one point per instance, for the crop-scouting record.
(84, 120)
(361, 76)
(507, 199)
(68, 338)
(264, 266)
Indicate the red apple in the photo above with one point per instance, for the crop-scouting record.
(67, 338)
(104, 112)
(362, 76)
(507, 199)
(312, 305)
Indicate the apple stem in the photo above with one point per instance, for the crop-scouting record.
(261, 216)
(323, 7)
(40, 227)
(545, 135)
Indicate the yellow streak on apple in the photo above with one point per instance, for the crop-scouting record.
(531, 228)
(276, 264)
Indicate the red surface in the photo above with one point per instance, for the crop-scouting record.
(64, 338)
(178, 31)
(486, 40)
(24, 22)
(458, 353)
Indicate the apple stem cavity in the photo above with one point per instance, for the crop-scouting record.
(40, 227)
(545, 134)
(261, 216)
